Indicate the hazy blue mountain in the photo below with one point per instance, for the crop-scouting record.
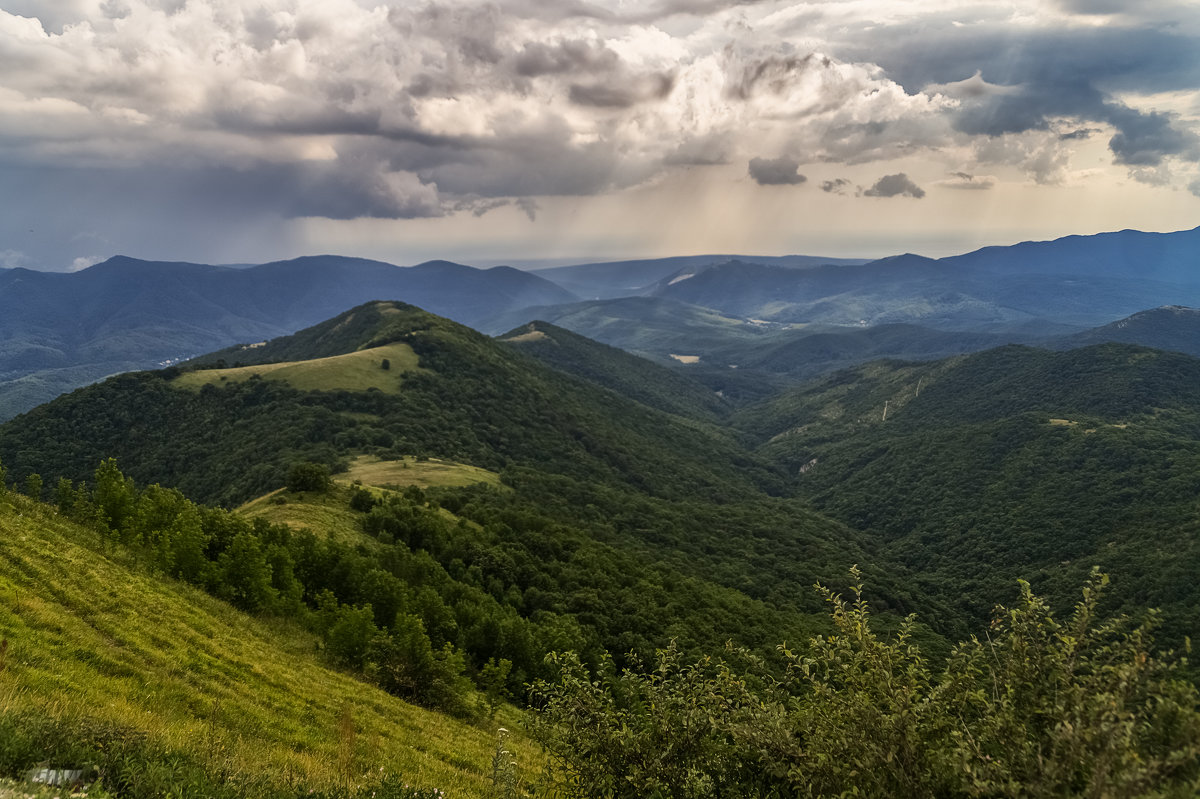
(1166, 257)
(1171, 327)
(1081, 281)
(127, 313)
(607, 280)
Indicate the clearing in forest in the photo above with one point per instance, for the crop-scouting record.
(354, 371)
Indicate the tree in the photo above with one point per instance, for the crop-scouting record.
(33, 486)
(308, 476)
(493, 679)
(246, 574)
(64, 496)
(114, 496)
(386, 364)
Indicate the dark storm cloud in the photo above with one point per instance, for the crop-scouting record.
(622, 91)
(480, 207)
(340, 189)
(1098, 6)
(776, 171)
(895, 186)
(1050, 75)
(835, 186)
(1145, 139)
(533, 166)
(1112, 58)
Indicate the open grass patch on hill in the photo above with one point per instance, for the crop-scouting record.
(96, 644)
(354, 371)
(324, 513)
(423, 473)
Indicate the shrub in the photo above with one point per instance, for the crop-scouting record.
(1036, 708)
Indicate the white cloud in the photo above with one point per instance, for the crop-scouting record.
(83, 262)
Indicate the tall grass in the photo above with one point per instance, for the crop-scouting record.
(172, 692)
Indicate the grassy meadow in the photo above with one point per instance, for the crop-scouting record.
(95, 642)
(328, 512)
(422, 473)
(354, 371)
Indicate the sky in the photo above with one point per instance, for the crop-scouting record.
(539, 131)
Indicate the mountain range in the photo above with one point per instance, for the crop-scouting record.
(786, 318)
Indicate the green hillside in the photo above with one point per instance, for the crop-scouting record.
(627, 525)
(110, 663)
(630, 376)
(379, 368)
(1013, 462)
(472, 400)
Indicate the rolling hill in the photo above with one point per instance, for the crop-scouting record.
(628, 375)
(60, 331)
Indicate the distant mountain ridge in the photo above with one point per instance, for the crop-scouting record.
(1171, 327)
(611, 279)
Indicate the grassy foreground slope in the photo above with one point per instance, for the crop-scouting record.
(94, 643)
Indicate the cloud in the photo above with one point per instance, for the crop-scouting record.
(624, 91)
(1042, 155)
(835, 186)
(1145, 139)
(895, 186)
(12, 259)
(564, 56)
(83, 262)
(1194, 187)
(964, 180)
(1152, 175)
(1015, 79)
(480, 207)
(781, 171)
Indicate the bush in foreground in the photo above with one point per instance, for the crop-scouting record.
(1035, 708)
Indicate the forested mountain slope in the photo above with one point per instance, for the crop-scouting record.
(1012, 462)
(630, 376)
